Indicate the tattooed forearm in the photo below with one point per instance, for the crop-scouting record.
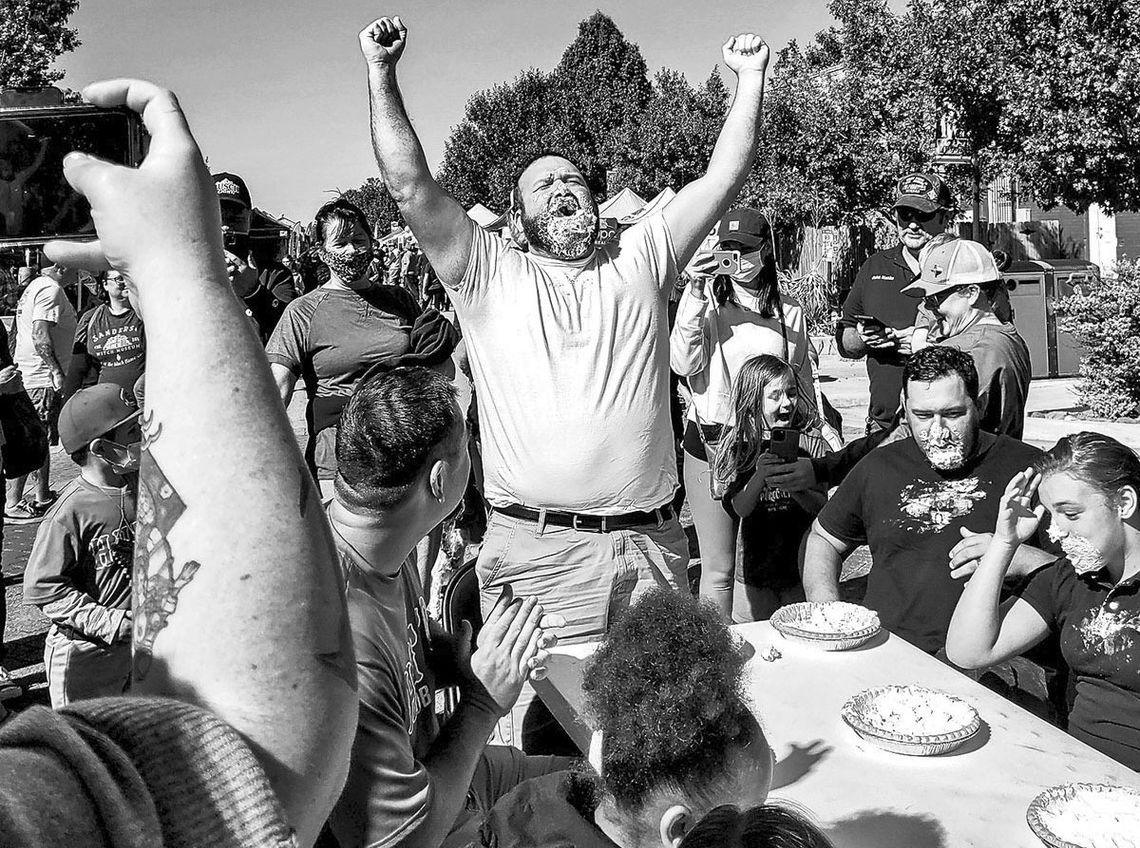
(157, 581)
(151, 429)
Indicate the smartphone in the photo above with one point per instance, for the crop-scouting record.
(36, 203)
(871, 322)
(785, 443)
(727, 261)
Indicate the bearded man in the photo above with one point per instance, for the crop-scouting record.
(568, 345)
(915, 500)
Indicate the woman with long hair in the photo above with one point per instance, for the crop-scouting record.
(1090, 485)
(731, 311)
(767, 401)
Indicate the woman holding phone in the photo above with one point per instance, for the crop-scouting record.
(731, 311)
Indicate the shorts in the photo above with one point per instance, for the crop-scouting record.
(48, 402)
(692, 443)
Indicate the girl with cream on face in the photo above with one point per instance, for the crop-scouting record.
(1090, 485)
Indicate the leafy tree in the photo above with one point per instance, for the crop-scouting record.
(373, 199)
(33, 34)
(603, 87)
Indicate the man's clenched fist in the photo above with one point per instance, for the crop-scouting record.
(383, 40)
(745, 52)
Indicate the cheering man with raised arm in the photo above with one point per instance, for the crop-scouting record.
(569, 350)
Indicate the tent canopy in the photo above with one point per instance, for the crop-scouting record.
(621, 205)
(485, 218)
(651, 208)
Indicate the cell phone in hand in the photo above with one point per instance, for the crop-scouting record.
(727, 261)
(36, 202)
(871, 322)
(785, 444)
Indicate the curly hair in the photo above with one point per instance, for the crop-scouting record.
(766, 826)
(666, 689)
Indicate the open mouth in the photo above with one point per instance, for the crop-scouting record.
(564, 206)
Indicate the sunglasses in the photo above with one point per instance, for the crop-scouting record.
(906, 215)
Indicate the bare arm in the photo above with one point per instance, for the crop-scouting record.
(285, 380)
(41, 340)
(437, 220)
(822, 561)
(698, 205)
(238, 605)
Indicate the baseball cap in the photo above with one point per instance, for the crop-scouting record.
(232, 187)
(924, 192)
(91, 412)
(959, 262)
(746, 225)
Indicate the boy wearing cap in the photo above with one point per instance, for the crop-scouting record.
(959, 284)
(79, 572)
(922, 208)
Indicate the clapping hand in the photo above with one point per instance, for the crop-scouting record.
(1017, 517)
(512, 646)
(745, 53)
(382, 41)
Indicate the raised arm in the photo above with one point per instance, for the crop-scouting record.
(438, 221)
(687, 338)
(691, 214)
(237, 600)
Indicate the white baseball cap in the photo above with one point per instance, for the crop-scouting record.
(958, 262)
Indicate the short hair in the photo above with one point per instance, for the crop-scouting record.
(394, 425)
(338, 212)
(516, 193)
(937, 361)
(1099, 460)
(765, 826)
(665, 687)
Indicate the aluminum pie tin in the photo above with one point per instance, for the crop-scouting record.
(855, 712)
(788, 622)
(1052, 799)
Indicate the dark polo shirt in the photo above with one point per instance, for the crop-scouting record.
(878, 292)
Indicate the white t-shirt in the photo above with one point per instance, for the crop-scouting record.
(571, 371)
(710, 344)
(43, 300)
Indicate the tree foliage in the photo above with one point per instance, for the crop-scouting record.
(33, 34)
(373, 199)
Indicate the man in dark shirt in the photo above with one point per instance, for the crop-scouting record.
(922, 210)
(911, 500)
(263, 308)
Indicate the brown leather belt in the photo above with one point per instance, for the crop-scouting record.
(590, 523)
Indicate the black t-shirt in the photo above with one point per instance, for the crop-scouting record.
(116, 343)
(551, 811)
(877, 291)
(1099, 623)
(770, 535)
(278, 281)
(911, 516)
(264, 310)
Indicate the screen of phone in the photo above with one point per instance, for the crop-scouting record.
(36, 202)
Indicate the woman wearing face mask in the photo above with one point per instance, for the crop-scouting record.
(729, 314)
(331, 336)
(1090, 485)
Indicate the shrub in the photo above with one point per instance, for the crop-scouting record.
(1105, 318)
(814, 295)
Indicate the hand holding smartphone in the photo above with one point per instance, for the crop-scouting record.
(785, 444)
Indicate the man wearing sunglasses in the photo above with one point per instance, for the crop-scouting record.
(959, 284)
(877, 317)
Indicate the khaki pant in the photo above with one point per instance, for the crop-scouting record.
(77, 669)
(588, 578)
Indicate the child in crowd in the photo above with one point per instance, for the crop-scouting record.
(79, 571)
(766, 826)
(767, 396)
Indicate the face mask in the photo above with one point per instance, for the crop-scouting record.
(565, 236)
(123, 458)
(1081, 552)
(348, 268)
(751, 264)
